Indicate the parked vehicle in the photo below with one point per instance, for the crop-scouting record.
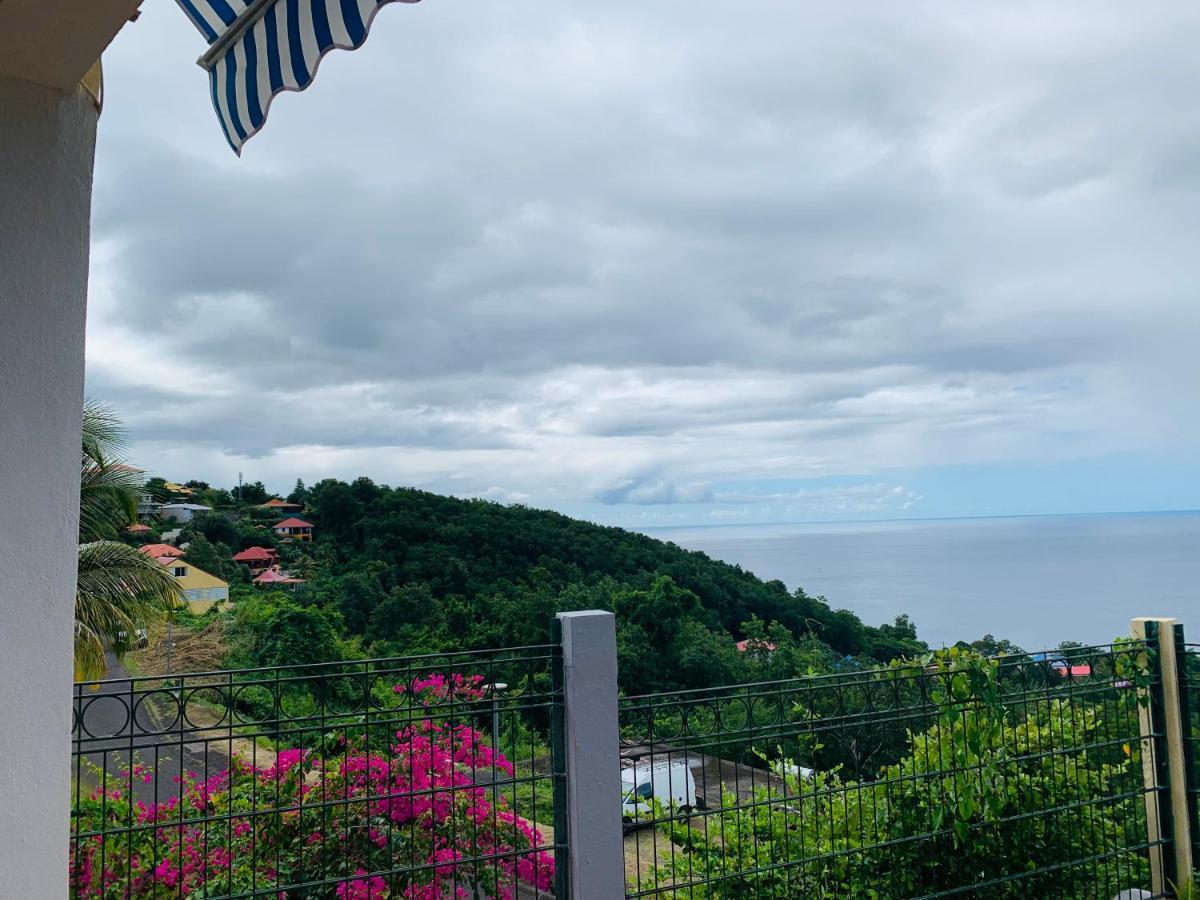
(671, 784)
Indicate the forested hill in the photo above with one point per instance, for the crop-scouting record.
(406, 569)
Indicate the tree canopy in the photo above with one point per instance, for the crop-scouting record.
(400, 571)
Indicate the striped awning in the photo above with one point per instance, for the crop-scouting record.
(258, 48)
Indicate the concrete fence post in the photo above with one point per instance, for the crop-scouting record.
(595, 850)
(1163, 749)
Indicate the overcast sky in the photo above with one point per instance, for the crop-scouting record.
(670, 262)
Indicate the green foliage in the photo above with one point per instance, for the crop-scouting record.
(214, 526)
(299, 493)
(250, 494)
(985, 794)
(215, 559)
(406, 571)
(273, 630)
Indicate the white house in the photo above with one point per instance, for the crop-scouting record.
(182, 512)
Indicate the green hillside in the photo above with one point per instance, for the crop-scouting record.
(398, 571)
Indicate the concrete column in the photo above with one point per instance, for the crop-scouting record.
(47, 138)
(596, 861)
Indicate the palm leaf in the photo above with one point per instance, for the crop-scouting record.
(108, 488)
(119, 589)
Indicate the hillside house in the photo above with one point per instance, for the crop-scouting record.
(282, 507)
(182, 512)
(295, 529)
(257, 559)
(160, 550)
(200, 589)
(273, 577)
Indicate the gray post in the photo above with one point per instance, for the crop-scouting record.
(596, 863)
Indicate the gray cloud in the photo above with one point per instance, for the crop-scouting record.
(624, 253)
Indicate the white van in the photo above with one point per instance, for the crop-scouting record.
(670, 783)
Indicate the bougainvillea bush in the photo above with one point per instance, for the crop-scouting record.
(355, 824)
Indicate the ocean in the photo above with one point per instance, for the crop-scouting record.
(1036, 580)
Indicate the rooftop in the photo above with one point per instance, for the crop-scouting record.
(293, 523)
(157, 550)
(251, 554)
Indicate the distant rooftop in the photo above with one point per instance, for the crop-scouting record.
(273, 576)
(251, 554)
(157, 550)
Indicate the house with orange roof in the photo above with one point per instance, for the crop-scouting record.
(294, 529)
(159, 550)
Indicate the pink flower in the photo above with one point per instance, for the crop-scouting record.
(167, 873)
(363, 888)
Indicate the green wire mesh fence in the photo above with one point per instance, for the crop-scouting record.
(957, 776)
(420, 777)
(1188, 657)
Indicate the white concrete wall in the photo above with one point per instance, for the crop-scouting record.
(46, 146)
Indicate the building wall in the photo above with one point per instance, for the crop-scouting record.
(47, 139)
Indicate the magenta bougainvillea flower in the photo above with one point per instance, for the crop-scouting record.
(407, 822)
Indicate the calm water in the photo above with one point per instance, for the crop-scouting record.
(1035, 580)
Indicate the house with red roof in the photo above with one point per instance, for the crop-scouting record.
(256, 559)
(294, 529)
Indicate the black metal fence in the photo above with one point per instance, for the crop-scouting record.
(958, 776)
(446, 776)
(421, 777)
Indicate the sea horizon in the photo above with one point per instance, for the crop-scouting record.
(646, 529)
(1036, 579)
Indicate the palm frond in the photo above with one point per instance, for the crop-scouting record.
(103, 433)
(118, 589)
(107, 499)
(108, 488)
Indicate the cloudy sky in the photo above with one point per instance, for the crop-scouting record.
(669, 263)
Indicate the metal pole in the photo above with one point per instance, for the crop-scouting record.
(497, 687)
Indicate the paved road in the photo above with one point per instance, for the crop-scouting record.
(122, 721)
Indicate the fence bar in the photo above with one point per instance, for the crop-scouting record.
(595, 847)
(1163, 751)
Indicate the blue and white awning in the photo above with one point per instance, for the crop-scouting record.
(258, 48)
